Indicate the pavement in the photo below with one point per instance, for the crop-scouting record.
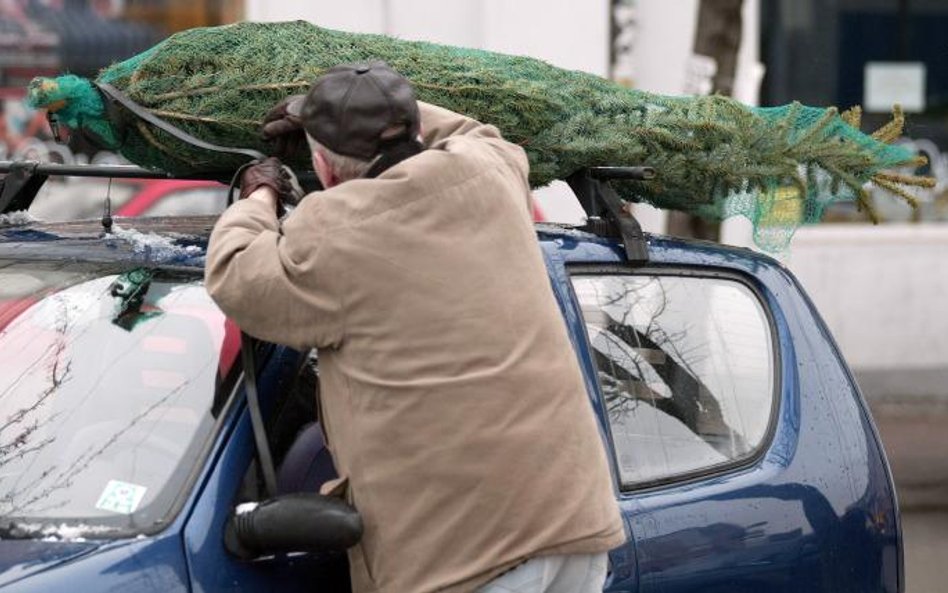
(915, 436)
(925, 539)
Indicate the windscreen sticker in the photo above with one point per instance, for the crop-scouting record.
(121, 497)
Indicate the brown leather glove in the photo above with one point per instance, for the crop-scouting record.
(282, 127)
(267, 173)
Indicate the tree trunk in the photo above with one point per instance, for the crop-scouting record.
(718, 36)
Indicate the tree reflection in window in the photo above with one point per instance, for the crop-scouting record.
(685, 366)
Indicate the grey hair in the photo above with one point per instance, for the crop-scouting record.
(345, 167)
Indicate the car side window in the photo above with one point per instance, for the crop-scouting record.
(686, 367)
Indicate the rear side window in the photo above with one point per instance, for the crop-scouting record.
(686, 366)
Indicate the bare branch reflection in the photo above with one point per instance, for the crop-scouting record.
(66, 477)
(27, 421)
(642, 361)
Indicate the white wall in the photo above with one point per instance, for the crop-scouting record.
(565, 33)
(664, 44)
(459, 22)
(883, 292)
(352, 15)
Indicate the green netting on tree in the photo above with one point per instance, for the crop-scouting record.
(715, 157)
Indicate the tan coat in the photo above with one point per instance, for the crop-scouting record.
(452, 398)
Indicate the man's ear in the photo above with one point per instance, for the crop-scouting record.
(324, 170)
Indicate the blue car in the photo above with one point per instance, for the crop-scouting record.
(743, 455)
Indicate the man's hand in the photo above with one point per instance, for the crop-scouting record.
(283, 127)
(267, 173)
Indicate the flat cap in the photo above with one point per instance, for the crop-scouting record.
(349, 109)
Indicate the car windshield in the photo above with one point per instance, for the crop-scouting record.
(108, 379)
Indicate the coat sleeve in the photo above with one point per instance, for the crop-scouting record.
(439, 124)
(275, 283)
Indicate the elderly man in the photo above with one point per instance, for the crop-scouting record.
(452, 400)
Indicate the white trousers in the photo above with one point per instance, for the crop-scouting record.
(575, 573)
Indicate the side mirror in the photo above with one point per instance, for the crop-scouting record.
(299, 522)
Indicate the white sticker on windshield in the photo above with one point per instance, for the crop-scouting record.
(121, 497)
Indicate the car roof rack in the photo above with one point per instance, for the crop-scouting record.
(24, 179)
(607, 214)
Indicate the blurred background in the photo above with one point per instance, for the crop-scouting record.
(880, 288)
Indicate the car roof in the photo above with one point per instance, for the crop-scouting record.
(578, 247)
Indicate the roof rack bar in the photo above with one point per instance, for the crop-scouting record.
(117, 171)
(600, 201)
(121, 172)
(21, 180)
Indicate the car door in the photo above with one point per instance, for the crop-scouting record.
(687, 368)
(742, 458)
(213, 568)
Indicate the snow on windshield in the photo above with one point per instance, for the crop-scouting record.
(155, 246)
(18, 218)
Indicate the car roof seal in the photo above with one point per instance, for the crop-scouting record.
(607, 214)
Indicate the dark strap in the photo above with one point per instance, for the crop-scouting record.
(113, 94)
(393, 153)
(256, 414)
(122, 99)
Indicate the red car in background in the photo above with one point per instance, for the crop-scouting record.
(174, 197)
(78, 199)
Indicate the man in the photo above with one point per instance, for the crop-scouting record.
(451, 397)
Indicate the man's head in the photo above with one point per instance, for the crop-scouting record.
(353, 114)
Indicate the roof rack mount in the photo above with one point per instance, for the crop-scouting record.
(117, 171)
(602, 204)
